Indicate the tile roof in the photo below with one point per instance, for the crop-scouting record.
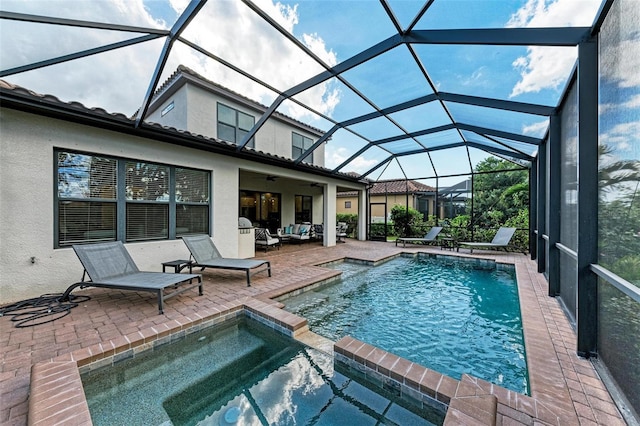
(399, 186)
(18, 97)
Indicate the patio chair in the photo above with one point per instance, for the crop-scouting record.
(109, 265)
(501, 240)
(318, 231)
(206, 255)
(266, 240)
(430, 237)
(341, 232)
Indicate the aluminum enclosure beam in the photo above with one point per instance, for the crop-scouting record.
(558, 36)
(14, 16)
(82, 54)
(587, 303)
(553, 180)
(522, 107)
(178, 27)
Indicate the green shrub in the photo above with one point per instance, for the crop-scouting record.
(407, 224)
(351, 220)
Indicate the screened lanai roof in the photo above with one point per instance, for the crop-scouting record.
(401, 88)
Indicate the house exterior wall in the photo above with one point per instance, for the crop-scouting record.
(340, 205)
(378, 210)
(177, 117)
(195, 109)
(27, 199)
(392, 200)
(27, 196)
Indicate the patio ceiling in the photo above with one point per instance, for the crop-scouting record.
(402, 89)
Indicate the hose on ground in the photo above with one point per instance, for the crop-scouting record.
(41, 310)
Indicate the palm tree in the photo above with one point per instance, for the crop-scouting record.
(612, 174)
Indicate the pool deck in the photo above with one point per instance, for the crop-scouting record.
(565, 389)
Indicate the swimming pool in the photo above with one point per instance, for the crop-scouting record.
(445, 313)
(240, 373)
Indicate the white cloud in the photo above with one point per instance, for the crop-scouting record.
(536, 129)
(336, 155)
(547, 67)
(632, 102)
(622, 136)
(117, 81)
(622, 62)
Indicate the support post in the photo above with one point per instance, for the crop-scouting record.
(552, 219)
(533, 209)
(587, 312)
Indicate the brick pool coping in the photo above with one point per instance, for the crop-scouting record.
(57, 395)
(469, 401)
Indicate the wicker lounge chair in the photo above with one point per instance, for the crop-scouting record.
(206, 255)
(501, 240)
(109, 265)
(429, 238)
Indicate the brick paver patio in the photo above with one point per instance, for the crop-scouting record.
(558, 378)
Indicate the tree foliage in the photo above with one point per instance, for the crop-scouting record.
(499, 195)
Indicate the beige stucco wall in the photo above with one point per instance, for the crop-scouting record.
(195, 110)
(340, 205)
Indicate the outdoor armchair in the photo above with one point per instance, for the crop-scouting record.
(266, 240)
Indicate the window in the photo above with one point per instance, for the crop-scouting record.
(166, 109)
(347, 204)
(261, 208)
(303, 208)
(233, 125)
(109, 199)
(299, 145)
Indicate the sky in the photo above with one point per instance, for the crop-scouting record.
(333, 31)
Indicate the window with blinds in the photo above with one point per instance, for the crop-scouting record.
(147, 190)
(86, 198)
(299, 145)
(108, 199)
(192, 201)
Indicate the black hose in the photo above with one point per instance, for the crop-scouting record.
(41, 310)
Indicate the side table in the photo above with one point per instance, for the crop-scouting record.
(447, 243)
(178, 265)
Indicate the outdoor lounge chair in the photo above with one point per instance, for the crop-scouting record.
(206, 255)
(501, 240)
(429, 238)
(109, 265)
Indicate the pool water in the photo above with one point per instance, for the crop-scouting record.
(241, 373)
(449, 315)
